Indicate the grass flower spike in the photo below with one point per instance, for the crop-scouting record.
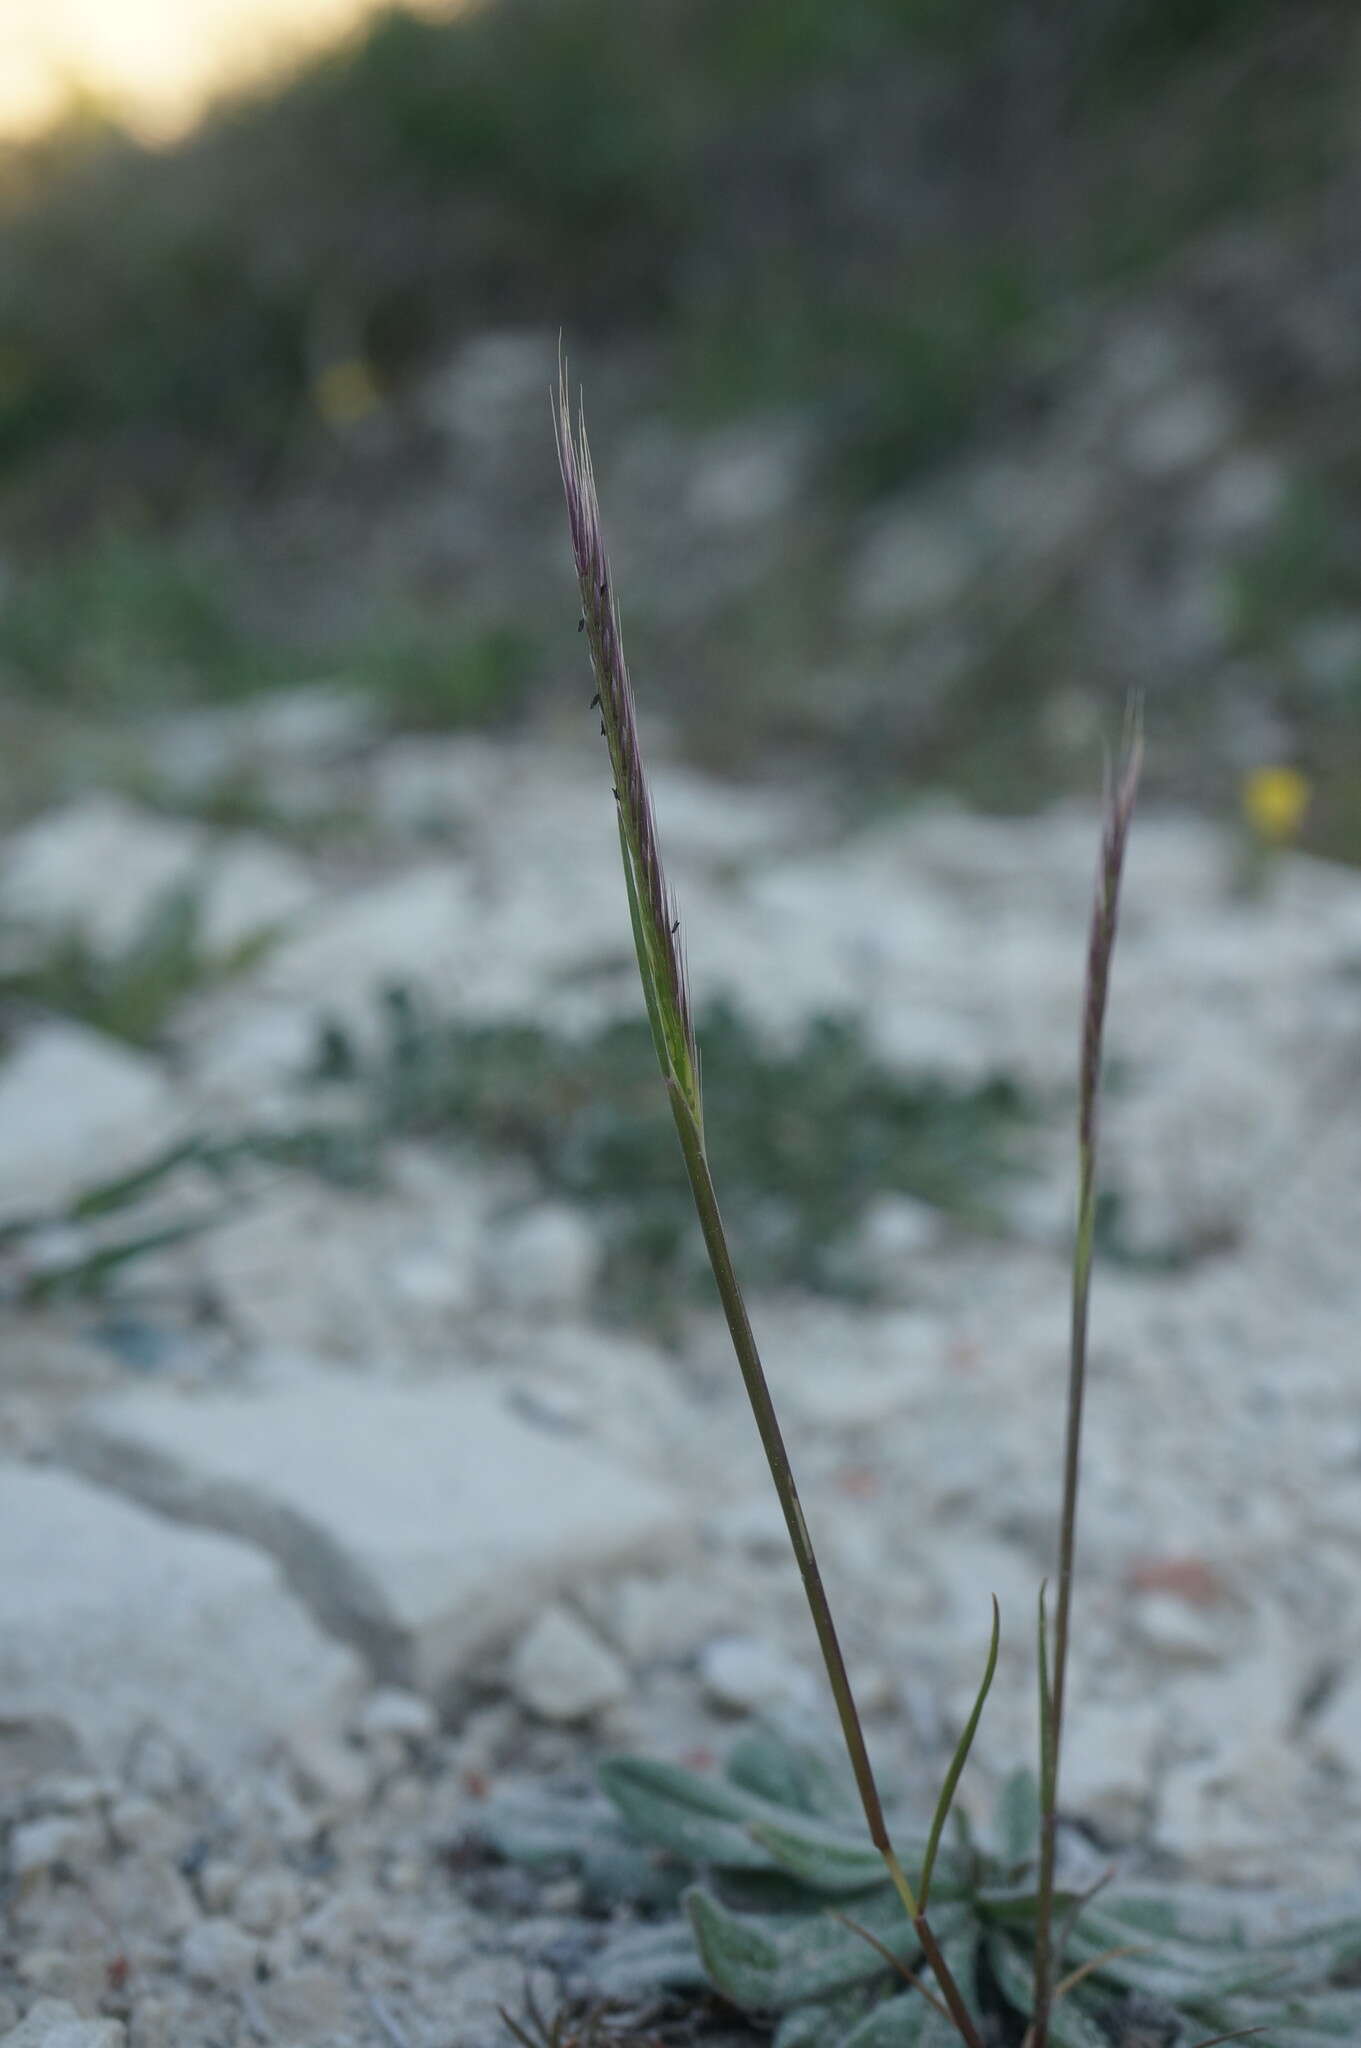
(653, 908)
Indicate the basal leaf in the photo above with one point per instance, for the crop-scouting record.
(789, 1775)
(898, 2021)
(766, 1963)
(825, 2023)
(827, 1859)
(1014, 1969)
(702, 1819)
(638, 1961)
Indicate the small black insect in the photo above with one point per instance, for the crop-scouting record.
(675, 928)
(594, 702)
(615, 794)
(604, 586)
(581, 623)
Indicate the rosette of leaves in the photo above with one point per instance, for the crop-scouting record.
(760, 1885)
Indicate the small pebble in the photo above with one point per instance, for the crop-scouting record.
(267, 1901)
(563, 1672)
(52, 2023)
(218, 1955)
(404, 1874)
(403, 1716)
(153, 2024)
(748, 1676)
(329, 1772)
(65, 1842)
(142, 1825)
(1178, 1631)
(546, 1258)
(158, 1767)
(217, 1884)
(74, 1974)
(69, 1792)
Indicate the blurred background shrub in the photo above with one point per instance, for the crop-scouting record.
(955, 365)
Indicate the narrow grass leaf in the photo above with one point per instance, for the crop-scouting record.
(958, 1761)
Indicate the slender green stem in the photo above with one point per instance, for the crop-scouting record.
(1052, 1709)
(949, 1990)
(782, 1474)
(1119, 811)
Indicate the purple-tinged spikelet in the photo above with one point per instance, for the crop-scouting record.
(618, 714)
(1118, 812)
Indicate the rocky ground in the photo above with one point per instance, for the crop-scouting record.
(330, 1509)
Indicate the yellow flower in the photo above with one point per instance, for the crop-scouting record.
(1274, 803)
(346, 392)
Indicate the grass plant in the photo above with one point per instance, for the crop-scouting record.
(656, 923)
(130, 993)
(996, 1935)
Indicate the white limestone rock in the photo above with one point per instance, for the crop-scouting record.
(269, 741)
(114, 1621)
(100, 866)
(217, 1954)
(562, 1671)
(390, 1715)
(895, 1233)
(252, 889)
(748, 1675)
(1110, 1751)
(545, 1259)
(1180, 1632)
(76, 1108)
(419, 927)
(1335, 1734)
(52, 2023)
(69, 1842)
(423, 1523)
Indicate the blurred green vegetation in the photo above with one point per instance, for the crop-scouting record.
(888, 217)
(127, 619)
(810, 1135)
(132, 992)
(135, 621)
(806, 1136)
(801, 197)
(1309, 562)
